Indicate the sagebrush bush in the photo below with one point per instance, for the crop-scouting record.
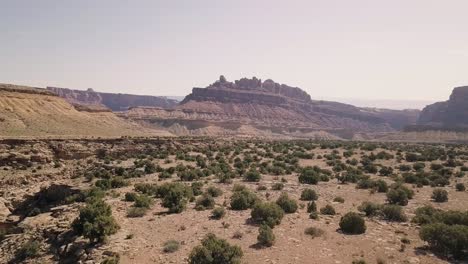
(328, 210)
(311, 207)
(268, 213)
(446, 239)
(393, 213)
(171, 246)
(439, 195)
(214, 250)
(370, 208)
(214, 191)
(352, 223)
(29, 249)
(143, 201)
(134, 212)
(309, 195)
(339, 199)
(314, 232)
(460, 187)
(252, 176)
(218, 213)
(288, 205)
(399, 195)
(265, 236)
(243, 200)
(95, 221)
(204, 202)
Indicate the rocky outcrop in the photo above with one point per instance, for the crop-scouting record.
(116, 102)
(267, 105)
(448, 115)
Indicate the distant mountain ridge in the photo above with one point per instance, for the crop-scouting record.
(113, 101)
(270, 106)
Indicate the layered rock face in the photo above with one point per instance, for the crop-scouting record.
(115, 102)
(448, 115)
(269, 106)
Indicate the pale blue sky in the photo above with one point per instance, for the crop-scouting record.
(369, 49)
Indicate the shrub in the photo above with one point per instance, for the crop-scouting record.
(270, 214)
(214, 250)
(146, 188)
(381, 186)
(314, 232)
(312, 207)
(175, 198)
(214, 191)
(197, 188)
(130, 196)
(327, 210)
(393, 213)
(288, 205)
(204, 202)
(143, 201)
(111, 260)
(278, 186)
(439, 195)
(136, 212)
(309, 176)
(313, 215)
(171, 246)
(446, 239)
(252, 176)
(265, 236)
(29, 249)
(370, 208)
(400, 195)
(339, 199)
(95, 221)
(309, 195)
(243, 200)
(218, 213)
(352, 223)
(460, 187)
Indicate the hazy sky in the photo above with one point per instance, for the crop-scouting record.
(374, 49)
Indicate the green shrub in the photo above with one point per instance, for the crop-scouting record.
(252, 176)
(339, 199)
(214, 250)
(278, 186)
(269, 213)
(439, 195)
(311, 207)
(309, 195)
(370, 208)
(327, 210)
(446, 239)
(29, 249)
(95, 221)
(134, 212)
(143, 201)
(218, 213)
(314, 232)
(111, 260)
(243, 200)
(352, 223)
(399, 195)
(146, 188)
(393, 213)
(309, 176)
(288, 205)
(204, 202)
(130, 196)
(197, 188)
(214, 191)
(171, 246)
(265, 236)
(175, 197)
(460, 187)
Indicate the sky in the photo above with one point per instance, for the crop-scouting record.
(415, 50)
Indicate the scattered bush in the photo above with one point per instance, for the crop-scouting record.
(312, 207)
(29, 249)
(439, 195)
(252, 176)
(204, 202)
(460, 187)
(370, 208)
(288, 205)
(214, 191)
(339, 199)
(393, 213)
(328, 210)
(218, 213)
(314, 232)
(243, 200)
(171, 246)
(446, 239)
(278, 186)
(265, 236)
(269, 213)
(134, 212)
(399, 195)
(309, 195)
(214, 250)
(352, 223)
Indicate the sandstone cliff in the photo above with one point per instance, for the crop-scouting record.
(449, 115)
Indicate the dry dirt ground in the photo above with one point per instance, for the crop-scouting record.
(141, 240)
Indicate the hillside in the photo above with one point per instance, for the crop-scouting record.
(34, 112)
